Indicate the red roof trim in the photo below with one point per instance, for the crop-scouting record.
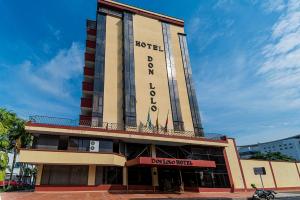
(108, 4)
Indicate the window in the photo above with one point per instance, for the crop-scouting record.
(106, 146)
(139, 176)
(79, 144)
(64, 175)
(63, 142)
(109, 175)
(48, 142)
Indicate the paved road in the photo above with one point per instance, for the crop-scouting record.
(288, 196)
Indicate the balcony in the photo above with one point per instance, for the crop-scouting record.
(86, 102)
(91, 31)
(88, 71)
(85, 120)
(89, 57)
(90, 44)
(38, 156)
(87, 86)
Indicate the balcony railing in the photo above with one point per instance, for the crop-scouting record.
(86, 102)
(85, 121)
(90, 44)
(87, 86)
(89, 57)
(88, 71)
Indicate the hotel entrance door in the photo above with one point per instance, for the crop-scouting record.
(169, 179)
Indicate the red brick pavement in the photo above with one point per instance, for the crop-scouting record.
(115, 196)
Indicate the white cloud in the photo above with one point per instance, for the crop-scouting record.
(52, 77)
(50, 88)
(273, 5)
(281, 66)
(56, 32)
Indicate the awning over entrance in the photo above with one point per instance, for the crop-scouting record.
(170, 162)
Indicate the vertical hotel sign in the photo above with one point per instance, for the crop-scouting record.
(151, 71)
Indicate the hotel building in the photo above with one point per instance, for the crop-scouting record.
(139, 127)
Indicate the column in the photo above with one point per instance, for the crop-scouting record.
(154, 169)
(92, 175)
(125, 176)
(39, 174)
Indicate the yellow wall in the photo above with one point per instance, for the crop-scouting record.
(70, 158)
(92, 175)
(251, 178)
(234, 165)
(113, 112)
(39, 174)
(286, 174)
(150, 31)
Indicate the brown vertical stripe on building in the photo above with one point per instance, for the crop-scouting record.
(240, 164)
(178, 123)
(228, 170)
(297, 169)
(129, 90)
(98, 93)
(193, 103)
(273, 174)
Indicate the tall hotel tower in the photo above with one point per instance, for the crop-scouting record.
(137, 64)
(139, 127)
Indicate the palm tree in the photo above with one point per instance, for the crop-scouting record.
(12, 130)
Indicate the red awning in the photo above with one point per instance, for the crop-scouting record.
(170, 162)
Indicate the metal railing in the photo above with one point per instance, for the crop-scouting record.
(36, 119)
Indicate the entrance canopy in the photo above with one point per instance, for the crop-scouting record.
(170, 162)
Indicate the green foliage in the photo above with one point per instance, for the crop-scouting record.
(272, 156)
(12, 129)
(3, 161)
(12, 136)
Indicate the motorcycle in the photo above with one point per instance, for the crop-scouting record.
(263, 194)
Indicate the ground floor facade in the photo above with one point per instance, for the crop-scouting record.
(125, 161)
(81, 158)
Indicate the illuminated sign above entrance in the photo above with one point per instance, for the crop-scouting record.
(170, 162)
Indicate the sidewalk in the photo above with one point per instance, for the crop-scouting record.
(122, 196)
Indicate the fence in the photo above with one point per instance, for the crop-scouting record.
(37, 119)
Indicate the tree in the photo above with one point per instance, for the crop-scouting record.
(272, 156)
(13, 135)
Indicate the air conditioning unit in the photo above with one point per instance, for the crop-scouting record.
(94, 146)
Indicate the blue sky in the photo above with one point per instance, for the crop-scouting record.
(245, 57)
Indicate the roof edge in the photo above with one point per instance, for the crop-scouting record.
(146, 13)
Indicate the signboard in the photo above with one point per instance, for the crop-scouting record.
(148, 161)
(259, 171)
(94, 146)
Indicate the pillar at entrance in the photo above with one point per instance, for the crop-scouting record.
(125, 176)
(154, 169)
(39, 174)
(153, 151)
(92, 175)
(154, 176)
